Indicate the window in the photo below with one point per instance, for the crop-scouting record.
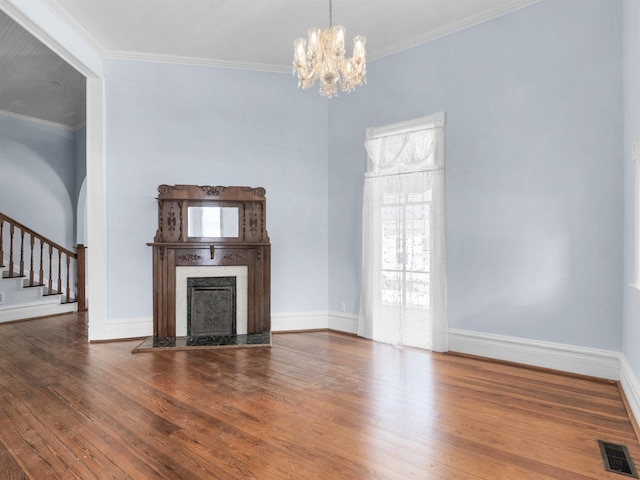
(403, 298)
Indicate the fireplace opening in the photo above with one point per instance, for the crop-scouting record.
(211, 306)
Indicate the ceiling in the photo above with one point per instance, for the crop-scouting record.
(35, 82)
(250, 34)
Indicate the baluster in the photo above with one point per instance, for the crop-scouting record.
(1, 243)
(31, 241)
(21, 253)
(41, 272)
(68, 291)
(59, 271)
(50, 286)
(11, 231)
(80, 277)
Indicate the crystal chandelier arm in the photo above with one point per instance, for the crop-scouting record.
(354, 69)
(338, 41)
(299, 53)
(314, 39)
(358, 48)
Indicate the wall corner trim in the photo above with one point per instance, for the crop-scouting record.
(630, 386)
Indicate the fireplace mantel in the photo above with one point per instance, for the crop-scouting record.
(187, 236)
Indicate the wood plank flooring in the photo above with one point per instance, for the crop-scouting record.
(317, 405)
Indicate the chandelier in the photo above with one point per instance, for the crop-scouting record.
(323, 60)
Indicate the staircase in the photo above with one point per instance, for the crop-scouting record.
(37, 275)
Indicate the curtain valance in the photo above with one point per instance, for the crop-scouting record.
(412, 146)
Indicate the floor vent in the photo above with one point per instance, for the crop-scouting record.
(616, 459)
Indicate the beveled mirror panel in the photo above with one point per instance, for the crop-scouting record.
(213, 222)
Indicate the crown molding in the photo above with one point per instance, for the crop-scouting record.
(74, 25)
(157, 58)
(273, 68)
(195, 61)
(450, 29)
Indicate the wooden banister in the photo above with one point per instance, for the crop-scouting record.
(16, 224)
(62, 256)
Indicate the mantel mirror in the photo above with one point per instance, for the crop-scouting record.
(210, 221)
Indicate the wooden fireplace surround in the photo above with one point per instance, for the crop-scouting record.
(173, 247)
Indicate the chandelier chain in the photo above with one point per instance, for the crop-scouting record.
(330, 14)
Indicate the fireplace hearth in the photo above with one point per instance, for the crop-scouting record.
(204, 342)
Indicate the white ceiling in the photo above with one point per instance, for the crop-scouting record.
(252, 34)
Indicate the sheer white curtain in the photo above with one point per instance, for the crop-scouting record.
(404, 276)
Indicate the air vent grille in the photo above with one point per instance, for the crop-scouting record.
(616, 459)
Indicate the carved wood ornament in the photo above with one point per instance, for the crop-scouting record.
(239, 237)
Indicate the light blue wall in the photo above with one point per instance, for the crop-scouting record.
(631, 321)
(533, 104)
(80, 151)
(534, 173)
(192, 125)
(37, 177)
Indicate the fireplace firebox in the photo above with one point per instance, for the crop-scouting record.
(211, 306)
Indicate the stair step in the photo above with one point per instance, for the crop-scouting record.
(21, 300)
(20, 292)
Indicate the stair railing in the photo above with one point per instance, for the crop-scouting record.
(45, 257)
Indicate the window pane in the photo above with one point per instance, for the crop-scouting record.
(405, 252)
(392, 251)
(417, 289)
(391, 288)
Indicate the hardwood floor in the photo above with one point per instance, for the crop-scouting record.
(316, 405)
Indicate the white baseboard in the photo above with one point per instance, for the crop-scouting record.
(568, 358)
(40, 308)
(343, 322)
(293, 321)
(630, 386)
(300, 321)
(280, 322)
(556, 356)
(123, 328)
